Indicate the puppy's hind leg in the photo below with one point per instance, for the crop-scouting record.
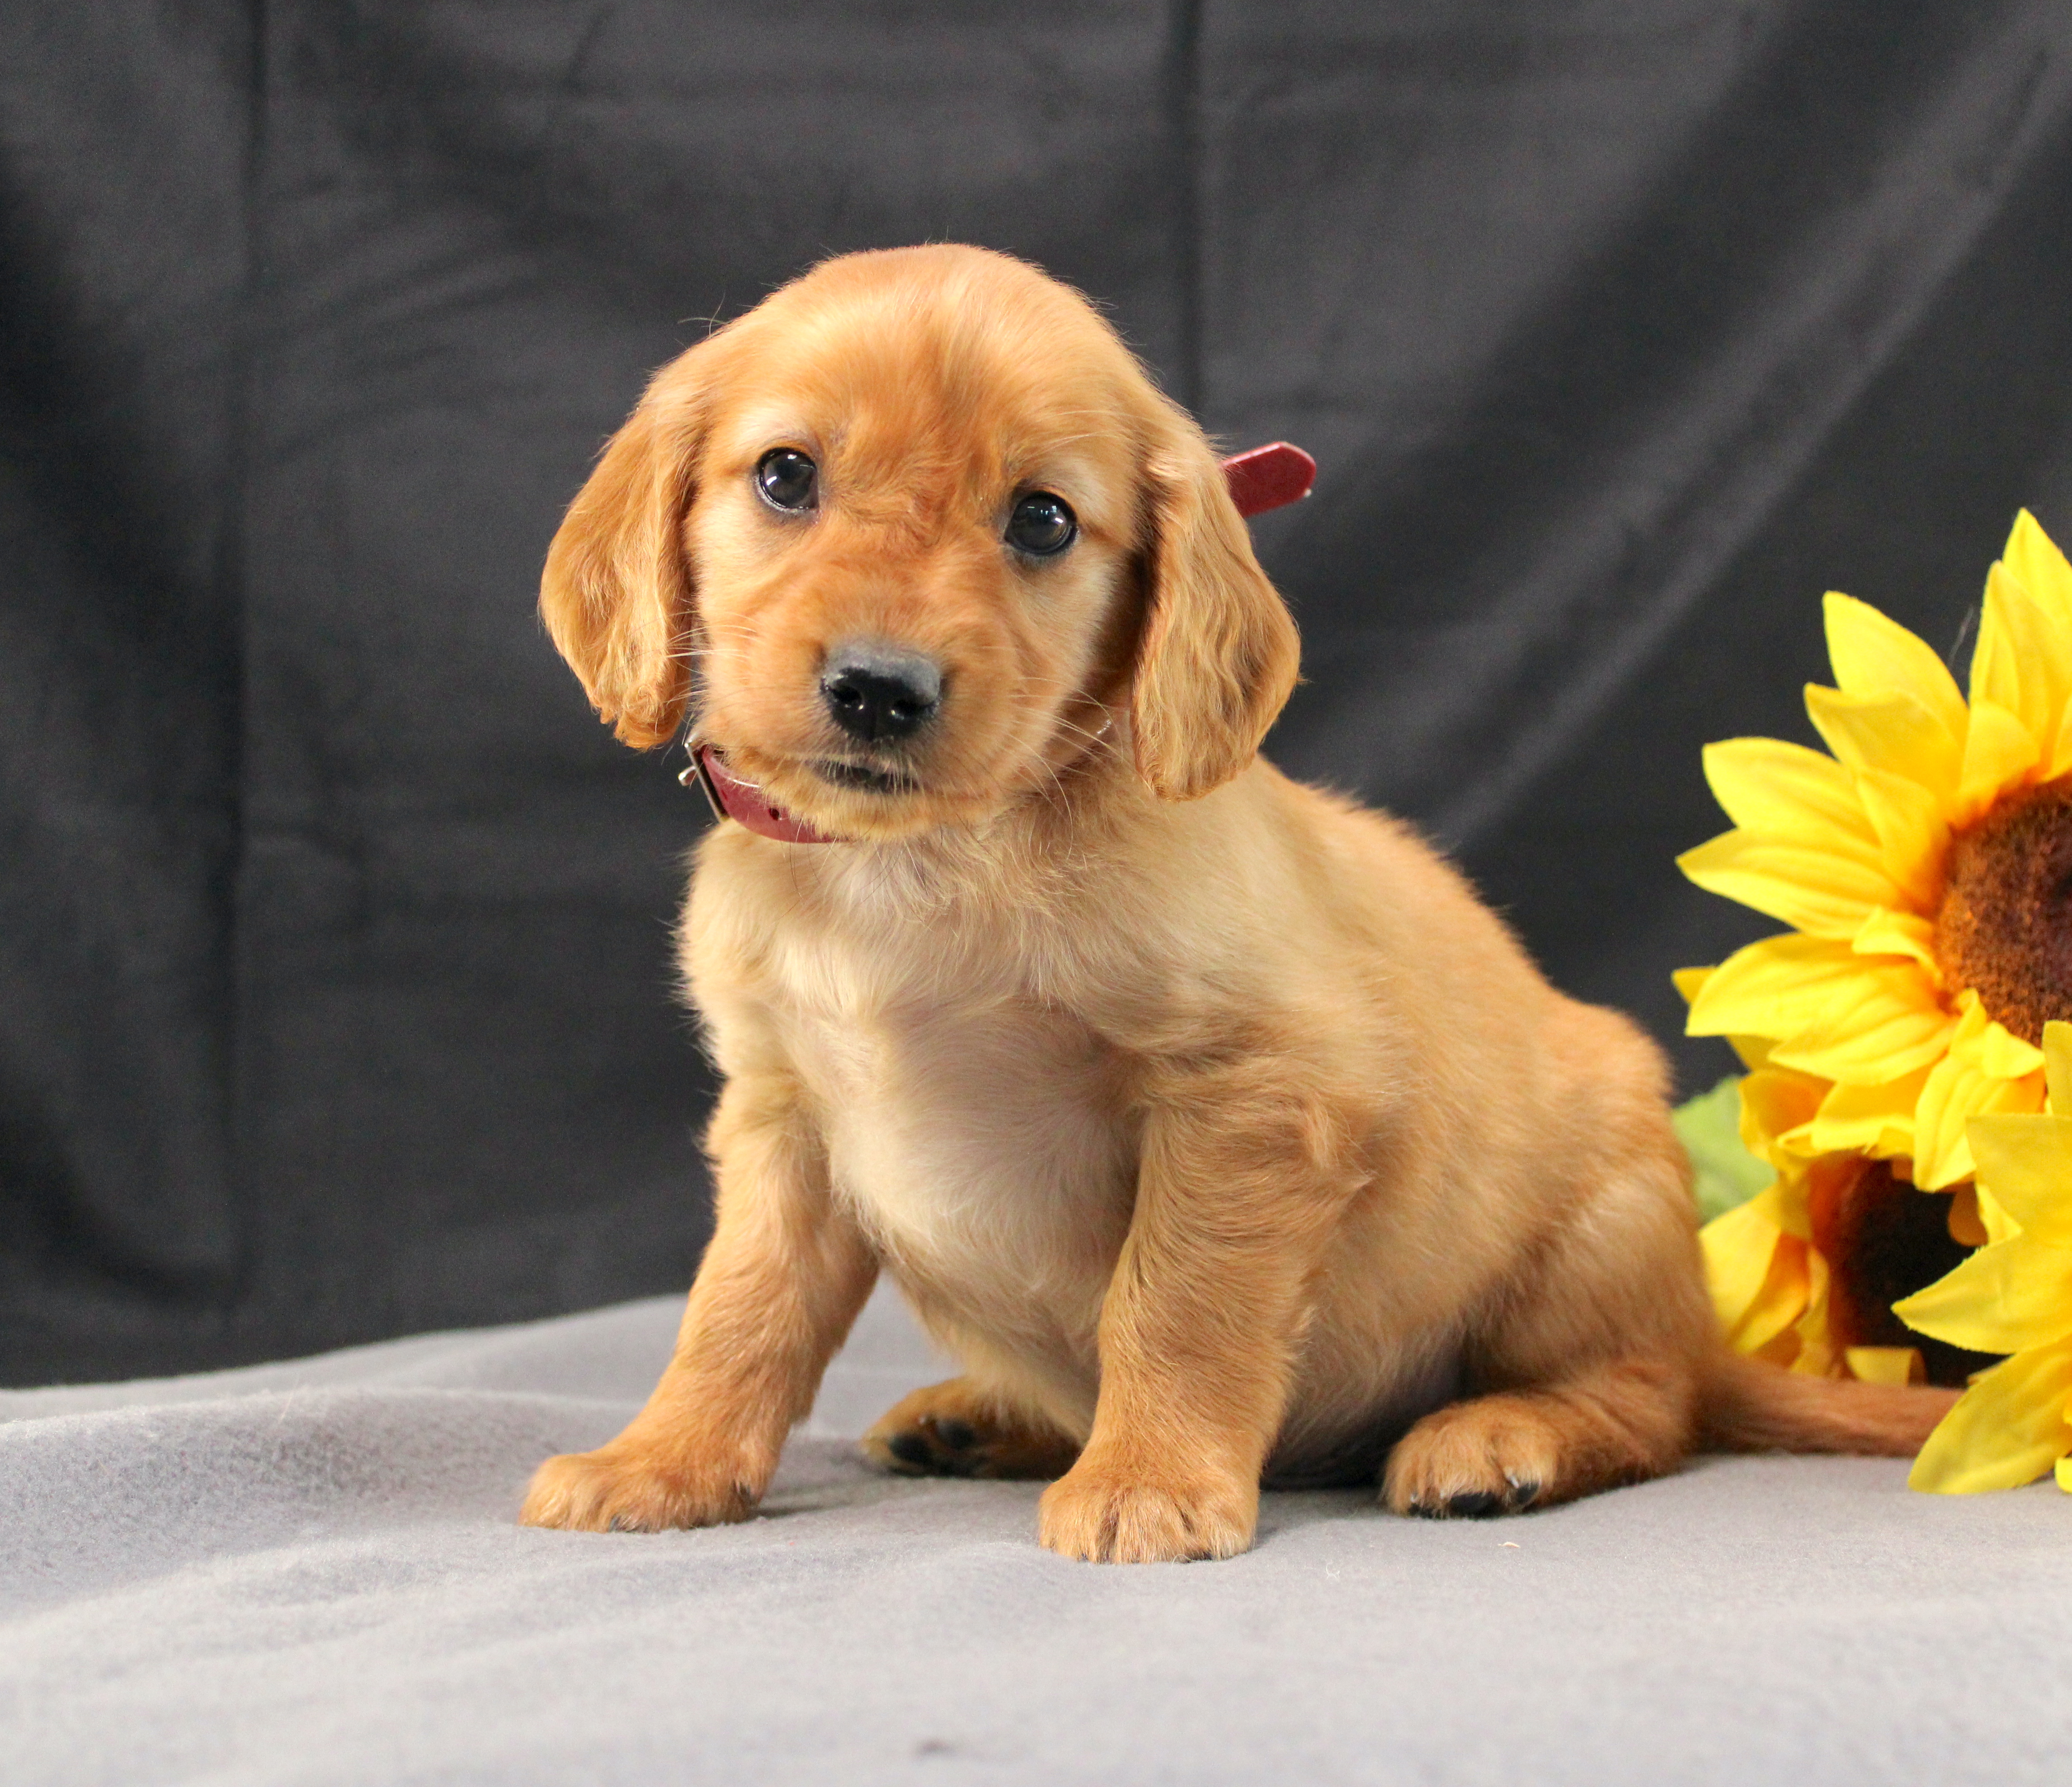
(955, 1429)
(1502, 1453)
(1592, 1358)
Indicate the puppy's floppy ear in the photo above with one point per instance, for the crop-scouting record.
(1218, 653)
(617, 592)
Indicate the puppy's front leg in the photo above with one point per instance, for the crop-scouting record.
(1241, 1181)
(783, 1279)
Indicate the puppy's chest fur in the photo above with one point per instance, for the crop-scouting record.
(978, 1126)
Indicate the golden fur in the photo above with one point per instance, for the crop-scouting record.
(1209, 1121)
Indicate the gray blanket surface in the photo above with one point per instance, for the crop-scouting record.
(308, 1573)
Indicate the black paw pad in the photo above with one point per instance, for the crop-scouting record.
(1522, 1494)
(911, 1448)
(960, 1436)
(1473, 1504)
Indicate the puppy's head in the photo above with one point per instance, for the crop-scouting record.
(907, 537)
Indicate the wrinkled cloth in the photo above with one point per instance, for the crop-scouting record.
(309, 1573)
(336, 981)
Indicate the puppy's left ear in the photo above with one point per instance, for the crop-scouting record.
(1218, 653)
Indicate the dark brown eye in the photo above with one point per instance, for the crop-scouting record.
(1041, 526)
(786, 479)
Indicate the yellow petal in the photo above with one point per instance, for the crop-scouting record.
(1961, 1086)
(2058, 761)
(1877, 1121)
(1754, 1051)
(1737, 1247)
(1906, 934)
(1786, 791)
(1941, 1156)
(1913, 832)
(1823, 891)
(1775, 987)
(1818, 1356)
(1886, 1364)
(2057, 1065)
(2007, 1429)
(1884, 1038)
(1864, 1058)
(1776, 1102)
(2064, 1475)
(1834, 1013)
(2006, 1298)
(1992, 1217)
(2004, 1055)
(1786, 1206)
(1890, 731)
(1873, 655)
(1756, 1282)
(1999, 751)
(2027, 1163)
(2032, 557)
(2022, 658)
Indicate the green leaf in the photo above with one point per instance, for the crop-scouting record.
(1709, 1127)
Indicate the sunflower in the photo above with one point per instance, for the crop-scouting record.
(2013, 1296)
(1804, 1273)
(1923, 866)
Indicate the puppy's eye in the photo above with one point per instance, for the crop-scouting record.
(787, 478)
(1041, 526)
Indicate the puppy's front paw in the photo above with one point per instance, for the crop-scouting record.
(620, 1489)
(1105, 1514)
(1496, 1454)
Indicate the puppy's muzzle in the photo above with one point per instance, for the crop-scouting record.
(878, 694)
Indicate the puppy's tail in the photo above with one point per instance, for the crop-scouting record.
(1748, 1405)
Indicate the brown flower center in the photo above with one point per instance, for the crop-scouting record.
(2005, 926)
(1883, 1240)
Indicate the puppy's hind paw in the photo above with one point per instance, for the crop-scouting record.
(950, 1430)
(1494, 1456)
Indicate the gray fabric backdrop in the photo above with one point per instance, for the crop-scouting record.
(333, 931)
(306, 1575)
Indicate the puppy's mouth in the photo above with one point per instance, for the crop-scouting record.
(866, 778)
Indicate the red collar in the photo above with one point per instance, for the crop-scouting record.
(1269, 477)
(744, 802)
(1266, 478)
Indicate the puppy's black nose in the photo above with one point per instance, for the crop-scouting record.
(878, 694)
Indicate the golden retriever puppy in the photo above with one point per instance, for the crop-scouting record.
(1207, 1120)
